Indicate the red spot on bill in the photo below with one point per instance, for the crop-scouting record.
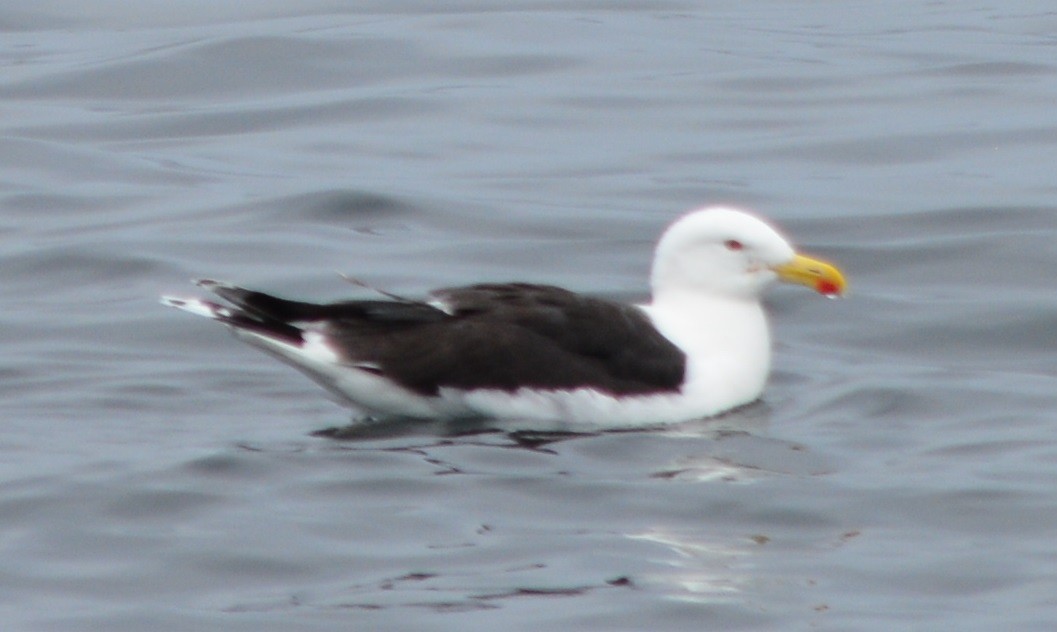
(828, 288)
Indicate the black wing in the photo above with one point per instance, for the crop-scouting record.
(498, 336)
(507, 336)
(270, 308)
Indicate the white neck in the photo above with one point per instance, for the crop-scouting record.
(732, 359)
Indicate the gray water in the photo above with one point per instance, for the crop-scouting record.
(900, 473)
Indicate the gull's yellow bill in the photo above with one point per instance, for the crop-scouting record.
(819, 275)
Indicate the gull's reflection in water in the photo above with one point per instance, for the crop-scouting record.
(697, 569)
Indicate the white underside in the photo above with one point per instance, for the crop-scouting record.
(727, 367)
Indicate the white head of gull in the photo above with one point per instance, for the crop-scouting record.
(700, 347)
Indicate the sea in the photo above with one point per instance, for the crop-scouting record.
(899, 473)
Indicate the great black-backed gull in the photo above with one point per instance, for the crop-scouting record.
(701, 346)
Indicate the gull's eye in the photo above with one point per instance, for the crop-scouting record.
(733, 244)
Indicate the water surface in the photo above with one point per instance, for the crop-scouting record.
(899, 473)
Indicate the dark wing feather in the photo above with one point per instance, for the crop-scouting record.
(498, 336)
(272, 308)
(506, 336)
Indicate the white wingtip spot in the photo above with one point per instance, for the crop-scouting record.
(196, 306)
(442, 306)
(172, 301)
